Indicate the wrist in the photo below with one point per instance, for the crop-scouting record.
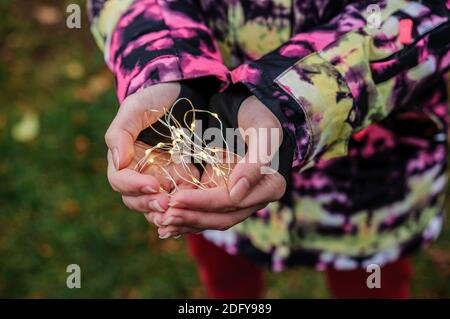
(254, 114)
(165, 93)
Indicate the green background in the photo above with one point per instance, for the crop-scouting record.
(56, 207)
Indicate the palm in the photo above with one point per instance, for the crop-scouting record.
(171, 175)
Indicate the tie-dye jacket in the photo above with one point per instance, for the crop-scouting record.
(359, 88)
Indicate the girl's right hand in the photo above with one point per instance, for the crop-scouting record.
(153, 197)
(137, 112)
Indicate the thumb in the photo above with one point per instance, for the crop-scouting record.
(245, 175)
(124, 130)
(121, 144)
(250, 170)
(262, 132)
(137, 112)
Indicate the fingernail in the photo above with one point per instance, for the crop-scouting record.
(154, 205)
(148, 190)
(165, 236)
(240, 190)
(172, 203)
(156, 222)
(116, 158)
(177, 237)
(167, 221)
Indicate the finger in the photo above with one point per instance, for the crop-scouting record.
(172, 231)
(263, 139)
(157, 202)
(271, 188)
(161, 220)
(245, 175)
(126, 126)
(205, 220)
(212, 199)
(120, 142)
(136, 113)
(129, 182)
(149, 216)
(122, 133)
(155, 218)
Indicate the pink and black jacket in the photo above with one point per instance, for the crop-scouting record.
(360, 90)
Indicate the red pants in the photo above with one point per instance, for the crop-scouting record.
(235, 276)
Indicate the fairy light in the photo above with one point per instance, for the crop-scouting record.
(186, 146)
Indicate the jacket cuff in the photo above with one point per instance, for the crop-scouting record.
(198, 91)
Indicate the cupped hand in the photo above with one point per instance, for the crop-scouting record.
(136, 113)
(139, 191)
(250, 187)
(148, 190)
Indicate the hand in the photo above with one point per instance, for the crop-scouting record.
(248, 189)
(135, 114)
(154, 195)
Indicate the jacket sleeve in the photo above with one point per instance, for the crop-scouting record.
(152, 41)
(326, 84)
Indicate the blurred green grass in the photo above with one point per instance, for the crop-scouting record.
(56, 207)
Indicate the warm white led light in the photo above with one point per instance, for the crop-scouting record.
(185, 148)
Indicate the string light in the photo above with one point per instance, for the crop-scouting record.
(184, 149)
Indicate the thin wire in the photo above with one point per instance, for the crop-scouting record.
(186, 144)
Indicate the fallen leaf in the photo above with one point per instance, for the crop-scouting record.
(96, 85)
(171, 245)
(74, 70)
(80, 118)
(4, 168)
(27, 129)
(45, 250)
(441, 258)
(99, 164)
(47, 15)
(70, 207)
(36, 295)
(197, 292)
(82, 144)
(3, 120)
(129, 293)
